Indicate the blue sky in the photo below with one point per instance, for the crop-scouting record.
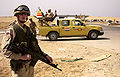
(88, 7)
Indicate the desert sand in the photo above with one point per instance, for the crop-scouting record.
(95, 62)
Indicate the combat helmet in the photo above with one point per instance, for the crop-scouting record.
(22, 9)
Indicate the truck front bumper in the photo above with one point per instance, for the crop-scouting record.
(101, 33)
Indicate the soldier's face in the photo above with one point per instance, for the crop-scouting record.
(23, 17)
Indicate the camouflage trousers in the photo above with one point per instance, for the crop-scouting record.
(25, 71)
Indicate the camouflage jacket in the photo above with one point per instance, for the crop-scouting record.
(19, 34)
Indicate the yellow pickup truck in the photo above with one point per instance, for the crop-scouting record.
(69, 28)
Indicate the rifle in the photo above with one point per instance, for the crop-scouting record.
(35, 55)
(43, 59)
(40, 56)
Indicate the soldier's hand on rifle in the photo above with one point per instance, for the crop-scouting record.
(26, 57)
(50, 59)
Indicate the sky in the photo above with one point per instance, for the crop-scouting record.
(65, 7)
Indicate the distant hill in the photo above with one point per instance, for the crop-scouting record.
(104, 18)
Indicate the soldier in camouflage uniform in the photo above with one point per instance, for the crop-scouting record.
(22, 65)
(49, 16)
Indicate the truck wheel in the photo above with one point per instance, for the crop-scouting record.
(92, 35)
(53, 36)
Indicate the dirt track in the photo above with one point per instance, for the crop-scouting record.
(97, 62)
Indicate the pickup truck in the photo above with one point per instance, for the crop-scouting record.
(69, 28)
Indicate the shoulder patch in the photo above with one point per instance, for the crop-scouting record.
(5, 40)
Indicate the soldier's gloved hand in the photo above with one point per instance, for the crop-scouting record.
(50, 59)
(26, 57)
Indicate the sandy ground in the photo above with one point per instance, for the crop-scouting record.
(96, 62)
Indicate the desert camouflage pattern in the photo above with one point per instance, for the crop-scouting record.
(26, 70)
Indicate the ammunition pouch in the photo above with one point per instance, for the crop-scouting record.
(24, 49)
(24, 44)
(16, 65)
(14, 48)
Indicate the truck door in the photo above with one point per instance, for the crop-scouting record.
(65, 28)
(78, 28)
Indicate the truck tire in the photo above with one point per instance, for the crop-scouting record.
(53, 36)
(92, 35)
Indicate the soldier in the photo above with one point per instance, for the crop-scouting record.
(50, 16)
(32, 26)
(22, 65)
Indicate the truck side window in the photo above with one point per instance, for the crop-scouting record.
(65, 23)
(77, 23)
